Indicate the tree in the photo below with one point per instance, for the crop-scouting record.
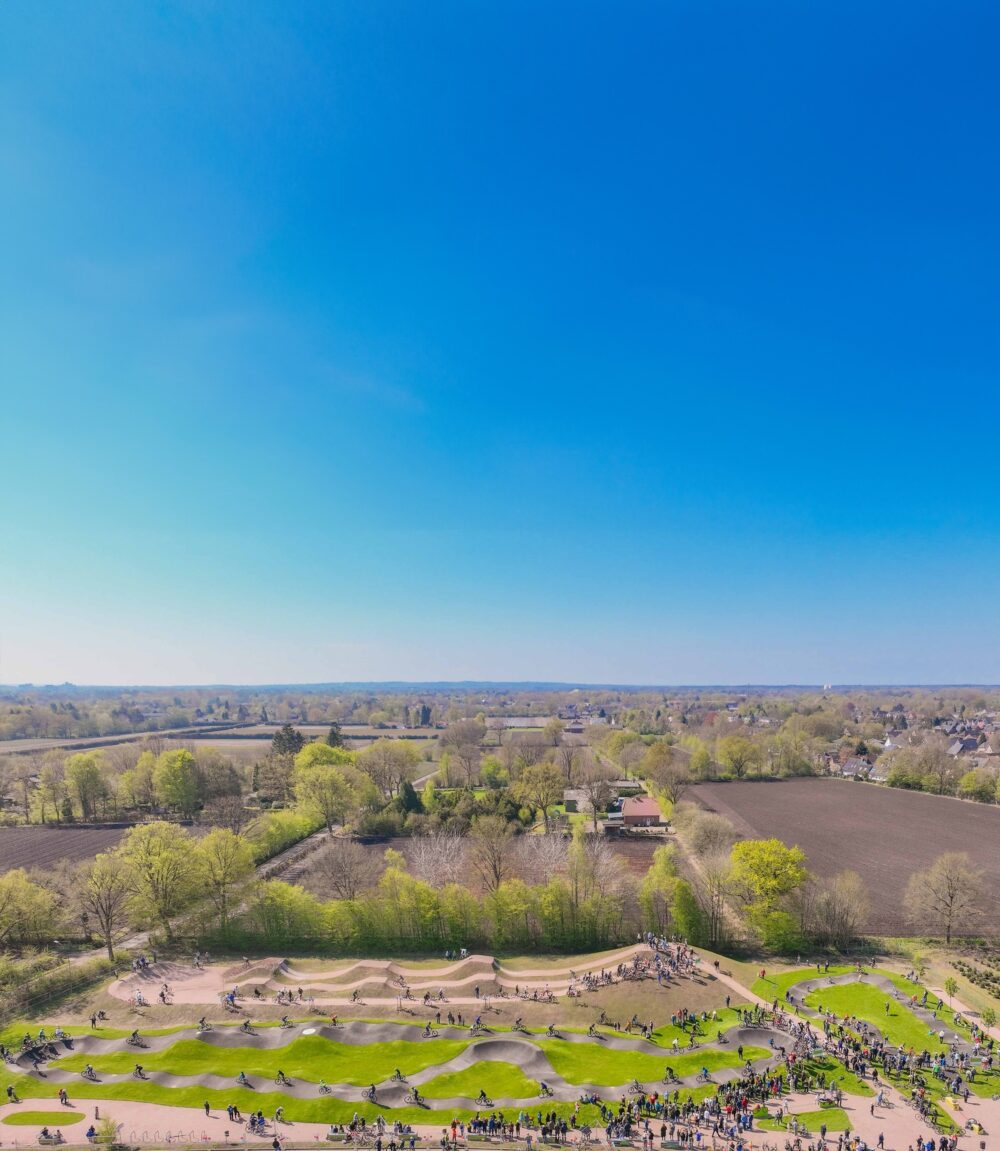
(224, 866)
(27, 910)
(951, 988)
(335, 737)
(595, 783)
(287, 741)
(332, 792)
(177, 781)
(344, 868)
(84, 776)
(765, 874)
(387, 763)
(106, 886)
(161, 863)
(841, 909)
(700, 764)
(710, 884)
(738, 754)
(672, 780)
(538, 788)
(227, 811)
(138, 784)
(553, 731)
(491, 841)
(988, 1018)
(439, 858)
(945, 896)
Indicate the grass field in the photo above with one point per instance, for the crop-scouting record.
(493, 1077)
(834, 1118)
(585, 1064)
(42, 1118)
(309, 1057)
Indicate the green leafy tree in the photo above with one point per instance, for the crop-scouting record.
(27, 910)
(764, 874)
(223, 868)
(106, 886)
(161, 862)
(287, 741)
(539, 788)
(86, 781)
(329, 790)
(335, 737)
(738, 754)
(176, 781)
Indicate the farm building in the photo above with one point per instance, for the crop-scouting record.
(640, 811)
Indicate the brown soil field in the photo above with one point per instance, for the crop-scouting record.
(882, 833)
(43, 846)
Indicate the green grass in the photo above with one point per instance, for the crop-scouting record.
(776, 983)
(322, 1109)
(309, 1057)
(837, 1075)
(42, 1118)
(900, 1026)
(585, 1064)
(834, 1118)
(496, 1078)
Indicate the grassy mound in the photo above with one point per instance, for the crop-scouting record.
(497, 1079)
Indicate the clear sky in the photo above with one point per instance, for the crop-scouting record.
(595, 342)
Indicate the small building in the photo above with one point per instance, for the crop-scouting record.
(641, 811)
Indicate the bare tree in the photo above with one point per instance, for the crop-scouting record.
(567, 756)
(842, 909)
(595, 783)
(540, 856)
(492, 849)
(439, 858)
(944, 897)
(673, 780)
(343, 867)
(227, 811)
(711, 883)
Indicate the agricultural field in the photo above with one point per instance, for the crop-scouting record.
(882, 833)
(44, 846)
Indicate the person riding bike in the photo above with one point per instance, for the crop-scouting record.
(138, 1072)
(397, 1075)
(280, 1077)
(202, 1024)
(134, 1037)
(246, 1026)
(285, 1021)
(242, 1079)
(88, 1072)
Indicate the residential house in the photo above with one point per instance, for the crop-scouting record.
(641, 811)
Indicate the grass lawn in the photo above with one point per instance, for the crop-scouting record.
(42, 1118)
(497, 1079)
(585, 1064)
(309, 1057)
(868, 1003)
(834, 1118)
(837, 1075)
(776, 983)
(322, 1109)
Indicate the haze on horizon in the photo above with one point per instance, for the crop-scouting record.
(617, 344)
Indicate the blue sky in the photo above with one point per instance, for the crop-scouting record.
(593, 342)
